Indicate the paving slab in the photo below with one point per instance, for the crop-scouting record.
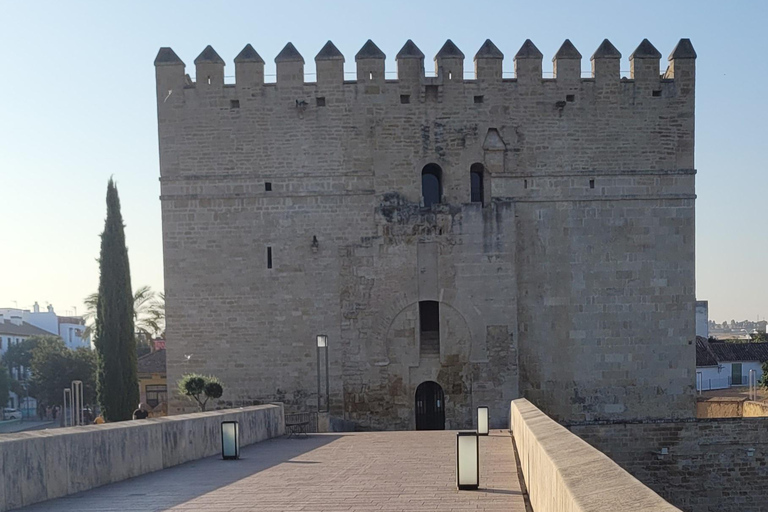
(379, 471)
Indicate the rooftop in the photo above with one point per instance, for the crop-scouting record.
(25, 329)
(711, 353)
(154, 362)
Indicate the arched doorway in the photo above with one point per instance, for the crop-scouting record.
(430, 406)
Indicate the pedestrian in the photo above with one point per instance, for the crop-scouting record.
(141, 413)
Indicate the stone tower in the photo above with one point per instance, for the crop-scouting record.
(461, 242)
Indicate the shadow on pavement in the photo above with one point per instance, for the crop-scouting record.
(167, 488)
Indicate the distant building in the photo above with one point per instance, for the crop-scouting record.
(721, 365)
(69, 328)
(702, 318)
(153, 386)
(13, 331)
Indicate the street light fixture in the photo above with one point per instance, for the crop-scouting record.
(322, 343)
(467, 461)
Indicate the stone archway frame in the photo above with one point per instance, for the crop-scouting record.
(472, 318)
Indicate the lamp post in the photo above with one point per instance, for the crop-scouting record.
(482, 420)
(230, 440)
(467, 461)
(322, 343)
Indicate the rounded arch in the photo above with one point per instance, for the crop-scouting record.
(430, 406)
(404, 318)
(431, 184)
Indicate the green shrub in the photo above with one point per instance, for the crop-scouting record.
(200, 388)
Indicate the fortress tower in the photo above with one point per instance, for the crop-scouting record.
(461, 242)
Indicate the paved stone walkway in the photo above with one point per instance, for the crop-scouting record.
(379, 471)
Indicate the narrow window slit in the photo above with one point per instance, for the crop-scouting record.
(268, 186)
(591, 183)
(269, 257)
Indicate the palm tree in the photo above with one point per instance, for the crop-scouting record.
(148, 312)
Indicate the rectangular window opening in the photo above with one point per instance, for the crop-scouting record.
(591, 183)
(429, 326)
(430, 93)
(656, 94)
(405, 98)
(525, 183)
(570, 97)
(234, 103)
(478, 99)
(268, 186)
(320, 101)
(269, 257)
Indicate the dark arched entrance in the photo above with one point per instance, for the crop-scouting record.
(430, 406)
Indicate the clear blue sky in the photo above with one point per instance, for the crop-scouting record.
(77, 105)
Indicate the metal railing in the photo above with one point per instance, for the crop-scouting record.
(708, 384)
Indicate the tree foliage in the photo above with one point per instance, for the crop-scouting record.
(118, 385)
(200, 388)
(54, 367)
(148, 313)
(764, 379)
(5, 386)
(20, 354)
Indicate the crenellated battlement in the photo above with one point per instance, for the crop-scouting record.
(448, 64)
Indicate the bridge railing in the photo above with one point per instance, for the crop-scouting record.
(46, 464)
(564, 473)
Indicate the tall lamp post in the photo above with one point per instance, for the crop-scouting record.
(322, 343)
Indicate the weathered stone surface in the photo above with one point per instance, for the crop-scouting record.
(713, 464)
(565, 474)
(571, 284)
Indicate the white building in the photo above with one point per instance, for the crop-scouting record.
(721, 365)
(16, 325)
(68, 328)
(14, 330)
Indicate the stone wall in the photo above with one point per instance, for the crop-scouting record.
(753, 409)
(572, 283)
(720, 407)
(42, 465)
(710, 465)
(565, 474)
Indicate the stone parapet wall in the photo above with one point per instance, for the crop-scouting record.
(47, 464)
(564, 473)
(754, 409)
(705, 465)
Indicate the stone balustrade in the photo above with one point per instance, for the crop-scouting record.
(47, 464)
(564, 473)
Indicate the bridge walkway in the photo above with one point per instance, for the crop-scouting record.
(365, 471)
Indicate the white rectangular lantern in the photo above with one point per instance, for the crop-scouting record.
(482, 420)
(467, 460)
(230, 440)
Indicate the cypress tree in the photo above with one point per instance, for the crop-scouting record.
(117, 385)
